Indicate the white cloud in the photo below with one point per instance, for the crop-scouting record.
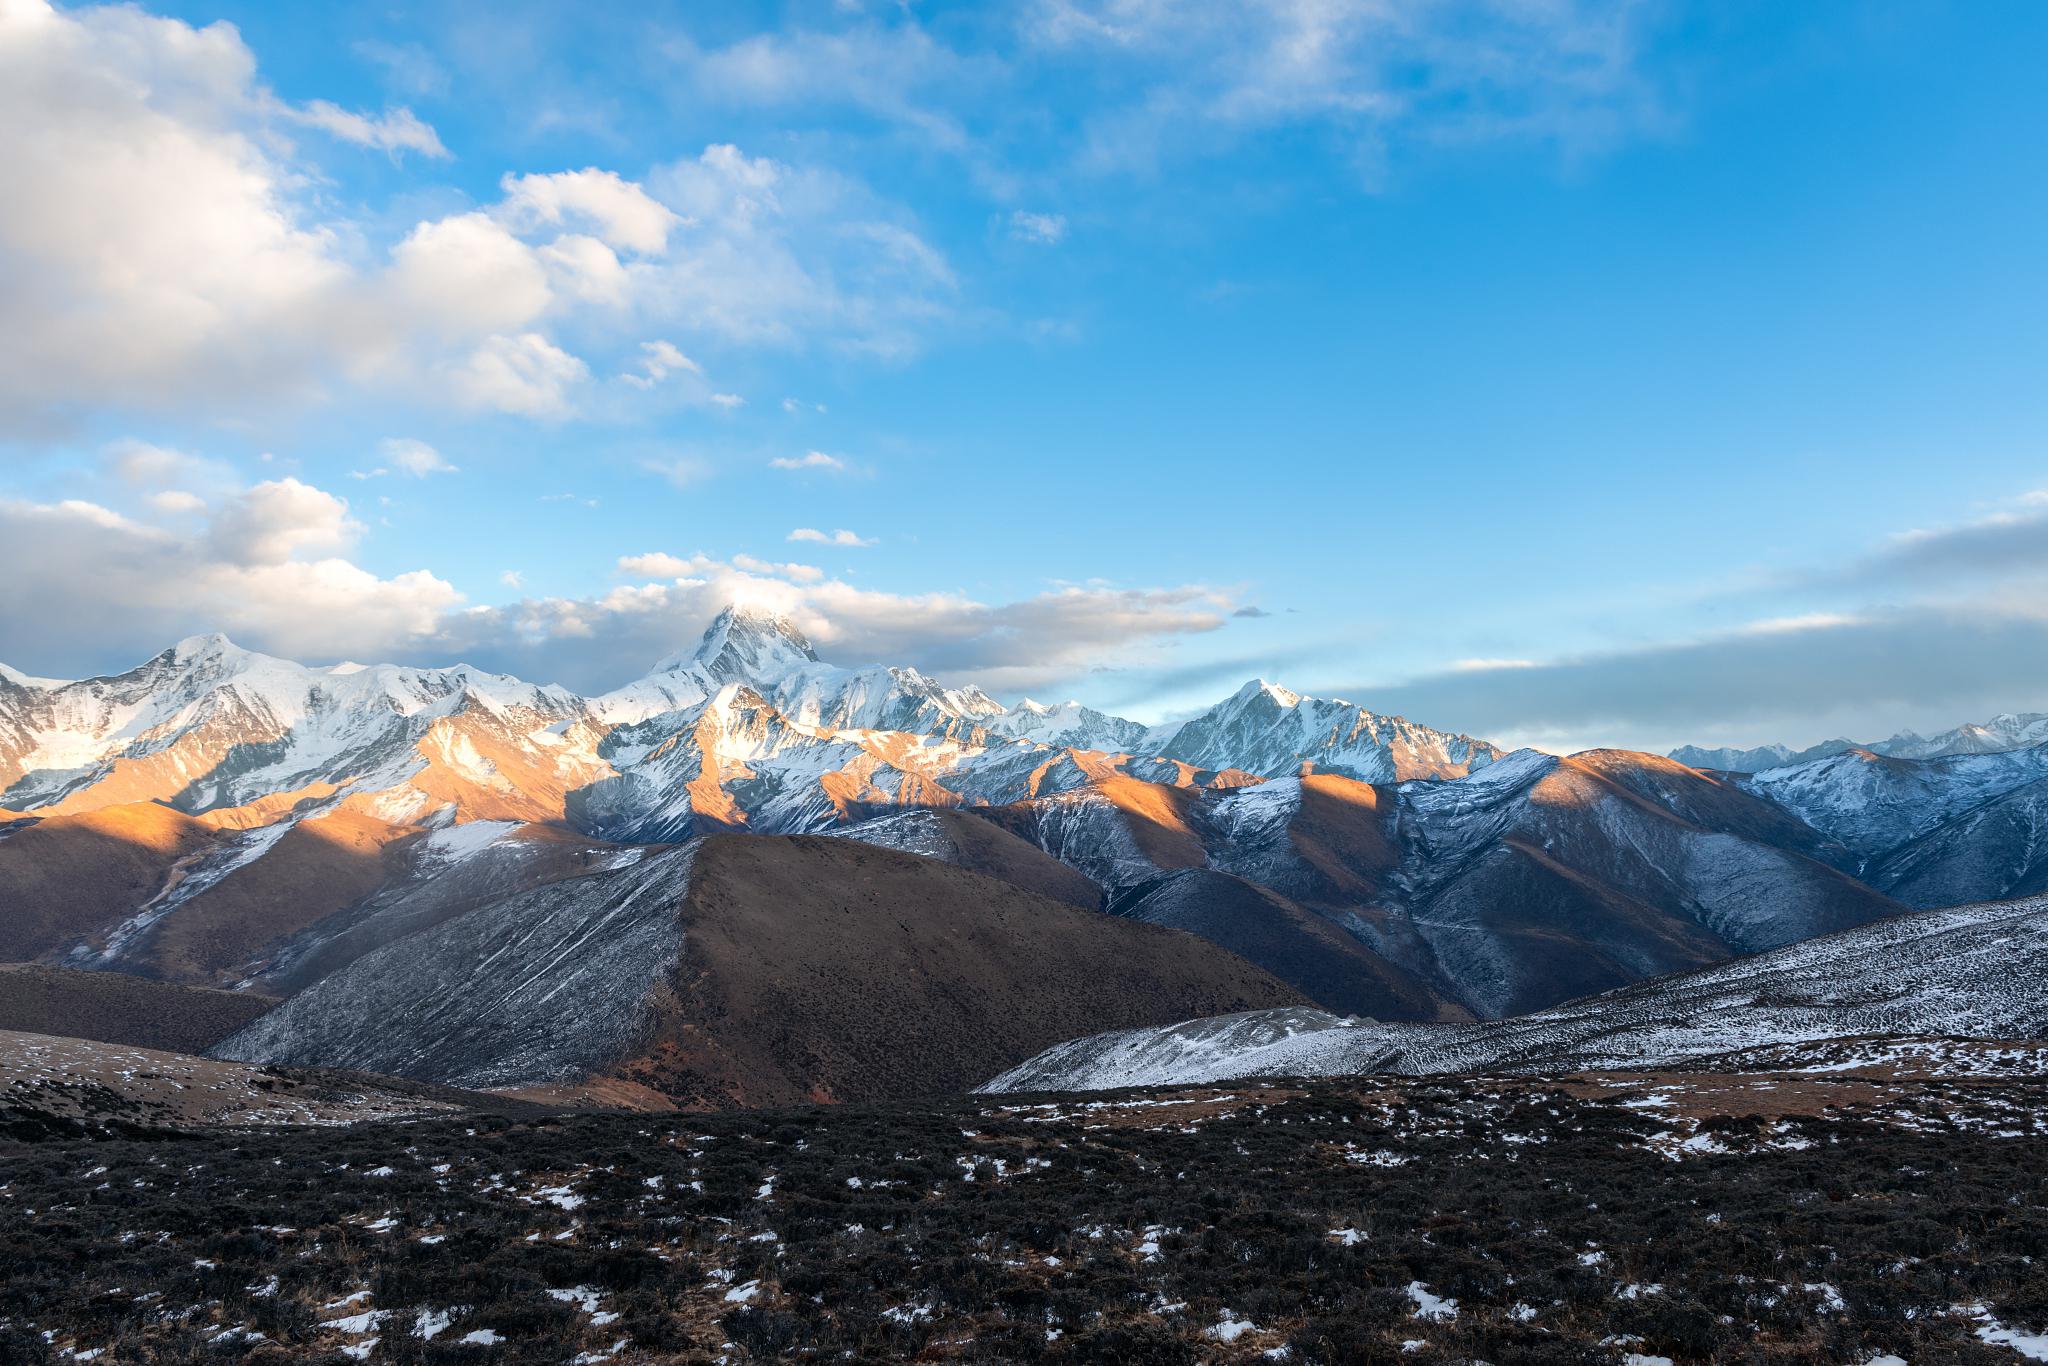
(414, 457)
(467, 274)
(264, 569)
(1798, 683)
(166, 245)
(659, 360)
(841, 537)
(512, 578)
(775, 254)
(1047, 229)
(525, 374)
(1058, 635)
(897, 73)
(398, 131)
(658, 564)
(621, 213)
(146, 242)
(271, 568)
(1803, 621)
(409, 66)
(727, 401)
(809, 460)
(586, 270)
(795, 573)
(144, 465)
(272, 521)
(177, 501)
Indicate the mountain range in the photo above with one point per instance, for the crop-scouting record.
(2007, 731)
(474, 880)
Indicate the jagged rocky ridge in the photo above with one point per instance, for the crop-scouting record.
(1969, 972)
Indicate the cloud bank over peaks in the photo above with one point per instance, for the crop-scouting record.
(270, 563)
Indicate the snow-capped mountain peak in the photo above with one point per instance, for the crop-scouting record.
(745, 644)
(211, 645)
(1272, 692)
(1272, 731)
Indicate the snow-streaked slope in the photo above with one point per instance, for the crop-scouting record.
(442, 874)
(1996, 849)
(546, 986)
(1970, 972)
(1875, 803)
(1541, 878)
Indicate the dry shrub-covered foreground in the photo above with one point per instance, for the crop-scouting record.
(1614, 1219)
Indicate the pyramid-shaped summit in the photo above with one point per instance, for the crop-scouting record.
(746, 644)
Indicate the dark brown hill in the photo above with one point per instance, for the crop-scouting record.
(65, 878)
(114, 1007)
(750, 970)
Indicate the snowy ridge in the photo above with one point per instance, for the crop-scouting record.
(2006, 731)
(1972, 972)
(544, 986)
(1267, 730)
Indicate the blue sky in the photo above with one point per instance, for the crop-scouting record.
(1569, 374)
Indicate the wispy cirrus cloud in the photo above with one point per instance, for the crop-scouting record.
(1203, 74)
(841, 537)
(1046, 229)
(396, 130)
(811, 460)
(1144, 82)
